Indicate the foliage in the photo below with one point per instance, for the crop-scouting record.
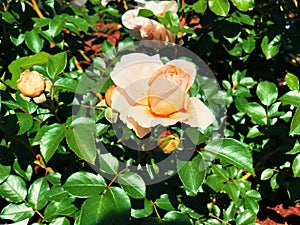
(251, 46)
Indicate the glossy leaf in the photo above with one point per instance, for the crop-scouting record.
(50, 140)
(200, 6)
(26, 173)
(16, 212)
(37, 193)
(244, 5)
(82, 142)
(108, 164)
(296, 166)
(109, 50)
(267, 92)
(292, 81)
(64, 207)
(232, 152)
(56, 193)
(191, 175)
(13, 189)
(176, 218)
(112, 208)
(142, 213)
(84, 184)
(266, 174)
(246, 218)
(56, 64)
(164, 202)
(34, 42)
(271, 48)
(60, 221)
(256, 112)
(291, 98)
(133, 184)
(219, 7)
(295, 125)
(4, 172)
(25, 122)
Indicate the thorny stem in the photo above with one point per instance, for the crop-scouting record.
(215, 217)
(155, 209)
(37, 9)
(116, 176)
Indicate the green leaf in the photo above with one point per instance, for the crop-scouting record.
(13, 189)
(267, 92)
(26, 174)
(60, 221)
(16, 212)
(133, 184)
(200, 6)
(233, 190)
(142, 213)
(108, 50)
(56, 25)
(295, 125)
(266, 174)
(66, 84)
(17, 41)
(25, 122)
(291, 98)
(65, 207)
(271, 49)
(220, 171)
(29, 107)
(37, 193)
(292, 81)
(145, 13)
(84, 184)
(112, 208)
(219, 7)
(57, 64)
(191, 176)
(56, 193)
(34, 42)
(8, 17)
(50, 140)
(4, 172)
(176, 218)
(245, 218)
(249, 44)
(21, 64)
(232, 152)
(256, 112)
(81, 139)
(163, 202)
(108, 164)
(296, 166)
(244, 5)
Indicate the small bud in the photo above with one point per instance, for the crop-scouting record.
(108, 94)
(31, 84)
(168, 141)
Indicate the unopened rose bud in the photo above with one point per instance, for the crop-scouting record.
(168, 141)
(108, 94)
(31, 84)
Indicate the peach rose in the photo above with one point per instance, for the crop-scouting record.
(145, 28)
(149, 93)
(31, 85)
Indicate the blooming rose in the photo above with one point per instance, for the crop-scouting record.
(32, 84)
(145, 28)
(149, 93)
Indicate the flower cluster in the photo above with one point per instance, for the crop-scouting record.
(149, 29)
(149, 93)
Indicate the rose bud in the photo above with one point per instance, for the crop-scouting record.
(31, 84)
(108, 94)
(168, 141)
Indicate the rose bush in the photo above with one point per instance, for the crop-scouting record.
(149, 93)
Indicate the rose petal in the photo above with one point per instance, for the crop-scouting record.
(159, 8)
(199, 115)
(143, 116)
(166, 97)
(187, 67)
(129, 18)
(139, 130)
(121, 103)
(133, 67)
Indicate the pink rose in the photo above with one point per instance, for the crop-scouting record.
(145, 28)
(149, 93)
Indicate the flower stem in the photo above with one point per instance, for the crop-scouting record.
(37, 9)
